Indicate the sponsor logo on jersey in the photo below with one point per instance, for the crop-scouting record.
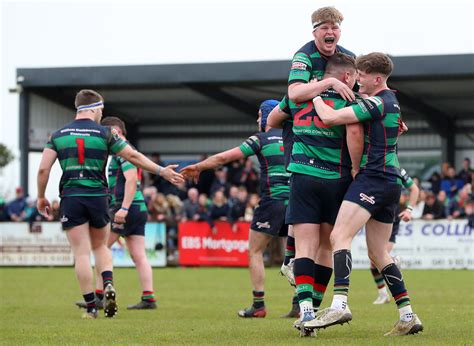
(298, 66)
(365, 198)
(263, 225)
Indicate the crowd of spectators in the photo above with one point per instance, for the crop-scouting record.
(231, 194)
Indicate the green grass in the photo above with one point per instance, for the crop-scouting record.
(199, 305)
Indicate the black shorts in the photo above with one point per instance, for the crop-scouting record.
(315, 200)
(393, 236)
(379, 197)
(269, 218)
(134, 222)
(78, 210)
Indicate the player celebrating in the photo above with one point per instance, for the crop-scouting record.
(321, 166)
(268, 220)
(404, 215)
(82, 148)
(372, 197)
(309, 62)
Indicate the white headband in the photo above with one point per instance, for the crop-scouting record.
(317, 24)
(96, 105)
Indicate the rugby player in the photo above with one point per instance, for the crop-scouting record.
(404, 215)
(82, 148)
(129, 218)
(321, 165)
(287, 135)
(373, 196)
(269, 215)
(309, 61)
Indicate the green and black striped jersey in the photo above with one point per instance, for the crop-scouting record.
(319, 150)
(274, 178)
(82, 148)
(381, 117)
(117, 167)
(308, 63)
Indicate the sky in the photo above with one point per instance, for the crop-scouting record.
(91, 33)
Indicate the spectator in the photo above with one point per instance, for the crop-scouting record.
(435, 181)
(433, 209)
(176, 214)
(237, 209)
(159, 210)
(191, 206)
(470, 212)
(149, 194)
(465, 174)
(219, 209)
(459, 203)
(249, 177)
(31, 214)
(205, 179)
(234, 171)
(450, 184)
(251, 205)
(417, 212)
(16, 208)
(445, 201)
(220, 182)
(3, 210)
(444, 169)
(233, 194)
(180, 190)
(55, 211)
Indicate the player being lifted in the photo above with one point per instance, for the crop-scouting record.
(269, 216)
(373, 196)
(321, 164)
(129, 214)
(82, 148)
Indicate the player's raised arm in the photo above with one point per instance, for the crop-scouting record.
(140, 160)
(192, 171)
(301, 92)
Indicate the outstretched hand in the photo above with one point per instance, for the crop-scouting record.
(173, 177)
(191, 172)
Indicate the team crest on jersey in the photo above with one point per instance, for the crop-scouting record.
(298, 66)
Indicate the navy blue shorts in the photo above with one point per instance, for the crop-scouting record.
(393, 236)
(134, 222)
(78, 210)
(379, 197)
(315, 200)
(269, 218)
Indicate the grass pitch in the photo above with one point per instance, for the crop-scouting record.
(199, 305)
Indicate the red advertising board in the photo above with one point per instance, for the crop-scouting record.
(198, 246)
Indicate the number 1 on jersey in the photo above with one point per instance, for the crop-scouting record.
(80, 151)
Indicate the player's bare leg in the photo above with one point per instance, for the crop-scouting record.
(80, 242)
(350, 219)
(258, 242)
(103, 260)
(136, 247)
(378, 234)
